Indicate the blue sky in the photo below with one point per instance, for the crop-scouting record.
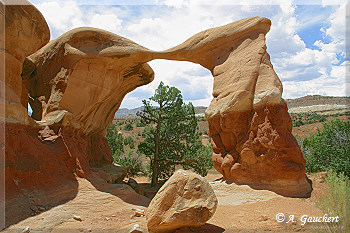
(306, 42)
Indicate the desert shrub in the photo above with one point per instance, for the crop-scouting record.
(129, 141)
(298, 123)
(128, 127)
(201, 118)
(140, 124)
(131, 161)
(336, 202)
(329, 149)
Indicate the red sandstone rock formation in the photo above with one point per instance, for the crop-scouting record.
(66, 140)
(77, 82)
(248, 120)
(22, 38)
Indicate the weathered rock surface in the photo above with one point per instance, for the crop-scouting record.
(43, 158)
(25, 32)
(76, 83)
(185, 200)
(248, 120)
(83, 77)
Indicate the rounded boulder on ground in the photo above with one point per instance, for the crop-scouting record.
(185, 200)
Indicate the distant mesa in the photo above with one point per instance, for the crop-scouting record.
(315, 103)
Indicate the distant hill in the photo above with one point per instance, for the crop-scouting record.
(316, 103)
(310, 100)
(131, 113)
(128, 113)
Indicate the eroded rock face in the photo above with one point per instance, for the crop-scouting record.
(44, 154)
(25, 32)
(77, 82)
(84, 75)
(248, 120)
(185, 200)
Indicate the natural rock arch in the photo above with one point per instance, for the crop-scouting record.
(77, 82)
(90, 71)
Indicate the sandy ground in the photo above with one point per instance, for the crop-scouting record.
(240, 209)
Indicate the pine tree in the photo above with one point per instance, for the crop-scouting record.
(171, 135)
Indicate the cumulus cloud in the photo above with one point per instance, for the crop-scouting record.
(61, 17)
(313, 71)
(99, 21)
(334, 84)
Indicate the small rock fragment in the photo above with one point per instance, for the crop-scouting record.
(78, 218)
(89, 230)
(139, 212)
(107, 218)
(263, 218)
(41, 209)
(26, 230)
(113, 215)
(136, 229)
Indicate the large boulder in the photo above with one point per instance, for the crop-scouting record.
(185, 200)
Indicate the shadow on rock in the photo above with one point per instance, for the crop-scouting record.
(205, 228)
(120, 190)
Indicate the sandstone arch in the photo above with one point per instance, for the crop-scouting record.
(77, 82)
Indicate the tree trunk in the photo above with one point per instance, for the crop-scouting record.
(155, 167)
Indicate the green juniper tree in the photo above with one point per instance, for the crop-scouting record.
(171, 136)
(129, 160)
(115, 140)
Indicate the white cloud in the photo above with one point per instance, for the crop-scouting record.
(107, 22)
(309, 71)
(333, 2)
(194, 81)
(61, 16)
(333, 84)
(130, 102)
(336, 32)
(172, 26)
(282, 40)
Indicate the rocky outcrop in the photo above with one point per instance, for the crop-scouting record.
(185, 200)
(25, 32)
(64, 139)
(76, 83)
(248, 120)
(84, 75)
